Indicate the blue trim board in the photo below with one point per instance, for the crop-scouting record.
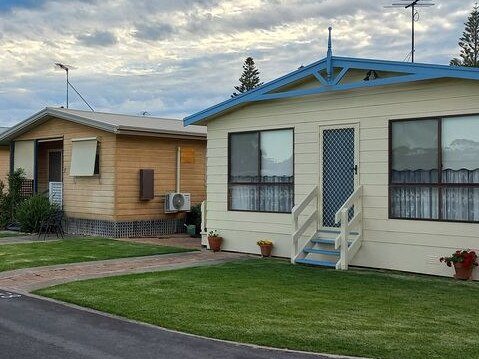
(407, 72)
(35, 166)
(12, 157)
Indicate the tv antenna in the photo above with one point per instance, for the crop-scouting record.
(67, 68)
(412, 4)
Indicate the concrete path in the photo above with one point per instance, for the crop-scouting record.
(27, 238)
(29, 279)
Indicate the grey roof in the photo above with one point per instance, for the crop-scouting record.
(110, 122)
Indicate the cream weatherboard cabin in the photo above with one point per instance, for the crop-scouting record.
(113, 175)
(349, 161)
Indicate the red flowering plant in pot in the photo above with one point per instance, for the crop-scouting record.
(463, 261)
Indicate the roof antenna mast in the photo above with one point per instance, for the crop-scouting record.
(329, 57)
(67, 68)
(412, 4)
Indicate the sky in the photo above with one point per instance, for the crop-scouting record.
(172, 58)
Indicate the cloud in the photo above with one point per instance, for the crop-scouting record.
(98, 38)
(173, 58)
(153, 32)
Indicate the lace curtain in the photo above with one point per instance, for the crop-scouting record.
(274, 194)
(457, 203)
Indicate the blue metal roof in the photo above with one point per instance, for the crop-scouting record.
(407, 72)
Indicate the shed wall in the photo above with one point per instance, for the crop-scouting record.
(407, 245)
(157, 153)
(4, 163)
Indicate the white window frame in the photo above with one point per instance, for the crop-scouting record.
(83, 155)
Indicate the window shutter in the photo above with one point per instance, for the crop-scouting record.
(83, 157)
(24, 154)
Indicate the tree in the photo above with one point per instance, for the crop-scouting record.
(249, 78)
(469, 42)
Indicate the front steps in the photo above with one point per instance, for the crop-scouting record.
(320, 251)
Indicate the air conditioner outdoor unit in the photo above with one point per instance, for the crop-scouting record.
(175, 202)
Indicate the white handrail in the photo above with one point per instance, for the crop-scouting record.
(203, 216)
(349, 202)
(342, 216)
(312, 218)
(204, 225)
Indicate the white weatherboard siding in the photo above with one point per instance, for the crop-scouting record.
(407, 245)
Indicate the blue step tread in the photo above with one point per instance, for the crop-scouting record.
(335, 231)
(322, 240)
(316, 263)
(325, 241)
(321, 251)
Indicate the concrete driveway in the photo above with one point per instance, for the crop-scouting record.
(33, 328)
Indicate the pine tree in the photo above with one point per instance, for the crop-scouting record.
(249, 78)
(469, 42)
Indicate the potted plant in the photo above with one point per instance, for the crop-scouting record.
(214, 240)
(266, 246)
(464, 262)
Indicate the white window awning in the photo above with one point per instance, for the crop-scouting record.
(83, 156)
(24, 157)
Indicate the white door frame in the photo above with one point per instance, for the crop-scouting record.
(322, 128)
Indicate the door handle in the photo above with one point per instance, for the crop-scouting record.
(355, 169)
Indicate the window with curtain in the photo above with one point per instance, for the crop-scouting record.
(434, 169)
(261, 177)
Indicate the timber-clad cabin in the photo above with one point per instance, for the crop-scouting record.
(349, 162)
(109, 172)
(4, 158)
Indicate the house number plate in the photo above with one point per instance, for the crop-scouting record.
(9, 295)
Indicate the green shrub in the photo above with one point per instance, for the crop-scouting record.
(31, 212)
(9, 200)
(194, 217)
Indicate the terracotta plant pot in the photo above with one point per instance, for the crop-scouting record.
(462, 273)
(266, 249)
(215, 243)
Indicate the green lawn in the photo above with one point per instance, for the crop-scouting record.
(14, 256)
(8, 234)
(270, 302)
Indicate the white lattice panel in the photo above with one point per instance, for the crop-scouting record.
(55, 190)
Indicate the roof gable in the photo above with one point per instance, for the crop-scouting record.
(114, 123)
(330, 74)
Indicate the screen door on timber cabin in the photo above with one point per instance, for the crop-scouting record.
(55, 166)
(338, 170)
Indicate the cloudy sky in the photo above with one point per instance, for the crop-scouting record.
(172, 58)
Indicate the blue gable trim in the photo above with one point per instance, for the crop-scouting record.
(407, 72)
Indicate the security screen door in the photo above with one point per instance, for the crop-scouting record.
(339, 159)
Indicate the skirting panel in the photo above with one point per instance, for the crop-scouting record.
(93, 227)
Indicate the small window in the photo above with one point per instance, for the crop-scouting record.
(85, 160)
(261, 175)
(96, 170)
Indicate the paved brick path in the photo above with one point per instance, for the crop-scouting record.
(28, 279)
